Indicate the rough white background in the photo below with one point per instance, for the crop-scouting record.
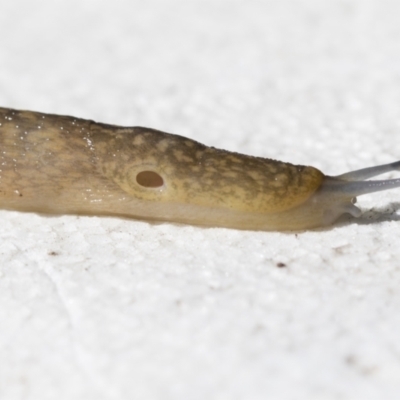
(105, 308)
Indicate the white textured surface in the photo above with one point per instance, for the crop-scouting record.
(104, 308)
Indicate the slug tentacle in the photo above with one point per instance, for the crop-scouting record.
(366, 173)
(355, 183)
(59, 164)
(358, 188)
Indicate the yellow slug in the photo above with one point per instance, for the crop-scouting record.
(59, 164)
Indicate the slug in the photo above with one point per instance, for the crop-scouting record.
(60, 164)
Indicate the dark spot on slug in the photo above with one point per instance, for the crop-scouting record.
(149, 179)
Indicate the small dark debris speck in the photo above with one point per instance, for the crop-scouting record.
(281, 265)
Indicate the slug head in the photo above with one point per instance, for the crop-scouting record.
(337, 195)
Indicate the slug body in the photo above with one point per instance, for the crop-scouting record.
(59, 164)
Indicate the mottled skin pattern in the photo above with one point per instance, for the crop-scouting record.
(201, 175)
(58, 164)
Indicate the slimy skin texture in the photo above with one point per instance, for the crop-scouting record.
(65, 165)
